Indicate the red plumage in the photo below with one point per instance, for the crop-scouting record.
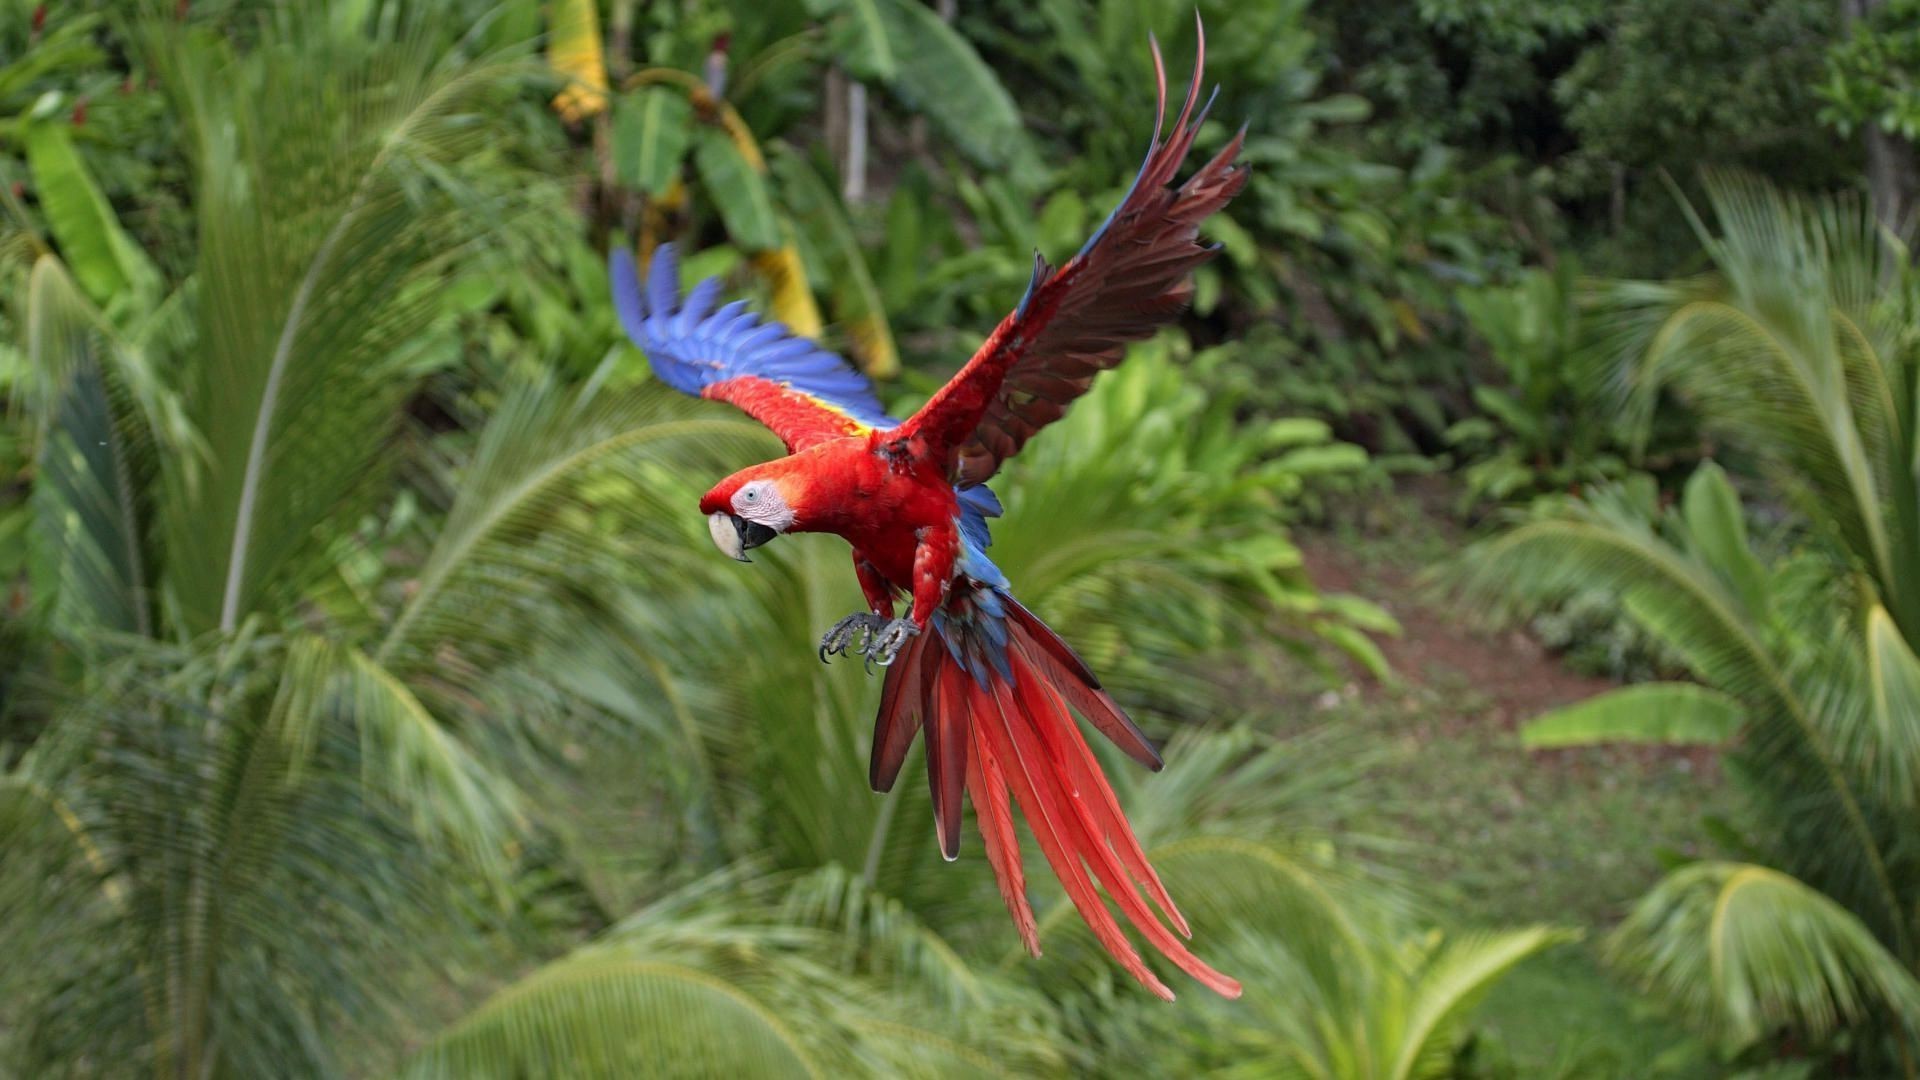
(1018, 729)
(993, 689)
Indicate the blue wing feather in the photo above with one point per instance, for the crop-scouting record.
(691, 346)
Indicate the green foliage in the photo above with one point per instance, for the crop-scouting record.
(105, 259)
(651, 130)
(709, 982)
(1671, 713)
(1467, 72)
(1870, 74)
(1680, 85)
(1554, 426)
(351, 576)
(1338, 267)
(1746, 950)
(1795, 350)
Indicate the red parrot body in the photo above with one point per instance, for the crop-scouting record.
(993, 687)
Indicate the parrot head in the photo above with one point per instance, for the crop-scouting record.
(748, 509)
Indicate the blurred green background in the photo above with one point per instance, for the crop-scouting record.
(1518, 544)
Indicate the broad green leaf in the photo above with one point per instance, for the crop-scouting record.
(650, 133)
(1339, 109)
(1669, 713)
(738, 190)
(1320, 460)
(862, 38)
(942, 76)
(108, 264)
(1718, 529)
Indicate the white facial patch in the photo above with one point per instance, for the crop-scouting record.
(761, 501)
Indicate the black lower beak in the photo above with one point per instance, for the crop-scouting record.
(752, 533)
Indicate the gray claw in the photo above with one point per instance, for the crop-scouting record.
(885, 645)
(854, 633)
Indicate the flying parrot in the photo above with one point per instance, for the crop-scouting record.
(989, 683)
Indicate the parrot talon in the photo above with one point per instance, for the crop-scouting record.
(886, 644)
(855, 634)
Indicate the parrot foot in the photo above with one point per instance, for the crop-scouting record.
(884, 646)
(863, 627)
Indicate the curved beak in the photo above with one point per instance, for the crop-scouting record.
(735, 535)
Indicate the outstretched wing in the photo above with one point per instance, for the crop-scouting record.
(1133, 275)
(803, 393)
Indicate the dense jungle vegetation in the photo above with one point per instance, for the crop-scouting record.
(1517, 545)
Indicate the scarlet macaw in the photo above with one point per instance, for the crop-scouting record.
(988, 680)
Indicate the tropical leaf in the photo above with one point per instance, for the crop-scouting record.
(104, 258)
(407, 756)
(738, 189)
(1393, 1007)
(1717, 531)
(1744, 950)
(95, 461)
(862, 37)
(202, 809)
(651, 130)
(1669, 713)
(939, 74)
(1791, 351)
(323, 237)
(1448, 985)
(602, 1015)
(527, 501)
(1831, 824)
(702, 984)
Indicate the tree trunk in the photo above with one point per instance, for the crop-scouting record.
(855, 177)
(1892, 177)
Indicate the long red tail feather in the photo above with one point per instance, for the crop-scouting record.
(1015, 735)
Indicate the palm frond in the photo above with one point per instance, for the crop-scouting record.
(1889, 746)
(339, 172)
(1744, 949)
(1691, 605)
(551, 467)
(408, 758)
(704, 984)
(234, 897)
(1792, 349)
(96, 463)
(1448, 984)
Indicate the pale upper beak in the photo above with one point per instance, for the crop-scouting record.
(735, 535)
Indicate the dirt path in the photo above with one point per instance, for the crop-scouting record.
(1553, 836)
(1498, 835)
(1437, 648)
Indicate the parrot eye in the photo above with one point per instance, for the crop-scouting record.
(750, 495)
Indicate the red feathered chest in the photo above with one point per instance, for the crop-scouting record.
(877, 496)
